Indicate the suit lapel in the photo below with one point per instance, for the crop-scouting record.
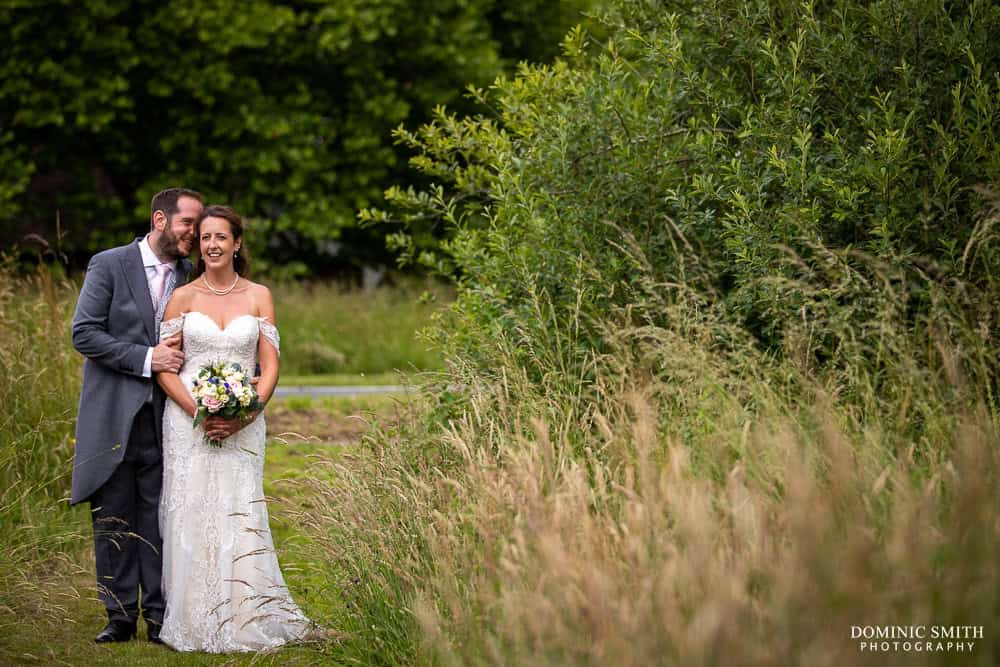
(135, 276)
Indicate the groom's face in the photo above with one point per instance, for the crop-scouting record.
(177, 238)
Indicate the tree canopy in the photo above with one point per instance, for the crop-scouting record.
(283, 110)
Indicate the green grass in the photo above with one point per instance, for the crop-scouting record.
(328, 330)
(343, 379)
(65, 634)
(69, 641)
(341, 406)
(562, 521)
(334, 420)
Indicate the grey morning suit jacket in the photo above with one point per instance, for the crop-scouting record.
(113, 326)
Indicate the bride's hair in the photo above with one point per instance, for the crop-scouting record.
(242, 260)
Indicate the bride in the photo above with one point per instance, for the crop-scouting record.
(223, 587)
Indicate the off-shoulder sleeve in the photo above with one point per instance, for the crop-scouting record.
(270, 332)
(171, 327)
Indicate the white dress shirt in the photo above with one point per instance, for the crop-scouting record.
(149, 263)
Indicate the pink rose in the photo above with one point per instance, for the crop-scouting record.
(211, 403)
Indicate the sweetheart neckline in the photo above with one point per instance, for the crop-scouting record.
(212, 320)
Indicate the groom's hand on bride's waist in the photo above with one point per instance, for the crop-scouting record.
(167, 356)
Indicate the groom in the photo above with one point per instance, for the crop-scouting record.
(118, 463)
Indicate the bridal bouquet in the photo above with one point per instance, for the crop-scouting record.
(223, 390)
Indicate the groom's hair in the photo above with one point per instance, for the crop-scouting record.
(166, 201)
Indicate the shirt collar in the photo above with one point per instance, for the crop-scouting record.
(149, 257)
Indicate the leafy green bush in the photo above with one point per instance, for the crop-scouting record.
(812, 174)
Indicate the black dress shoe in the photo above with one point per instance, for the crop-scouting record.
(116, 631)
(153, 632)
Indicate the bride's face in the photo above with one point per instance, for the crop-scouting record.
(216, 242)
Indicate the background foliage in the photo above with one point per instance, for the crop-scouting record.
(781, 159)
(280, 109)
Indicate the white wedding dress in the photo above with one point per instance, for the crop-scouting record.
(223, 587)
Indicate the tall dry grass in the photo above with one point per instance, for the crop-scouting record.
(39, 390)
(686, 498)
(521, 552)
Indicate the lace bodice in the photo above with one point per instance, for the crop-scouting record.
(205, 342)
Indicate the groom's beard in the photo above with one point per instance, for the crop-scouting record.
(169, 245)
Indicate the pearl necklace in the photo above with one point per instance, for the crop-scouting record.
(220, 292)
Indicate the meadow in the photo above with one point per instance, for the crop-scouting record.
(721, 378)
(678, 506)
(623, 517)
(48, 604)
(352, 335)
